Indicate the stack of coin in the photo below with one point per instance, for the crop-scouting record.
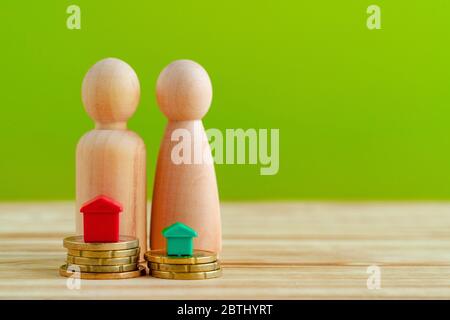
(201, 265)
(105, 260)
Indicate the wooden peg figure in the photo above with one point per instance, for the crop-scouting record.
(185, 191)
(111, 160)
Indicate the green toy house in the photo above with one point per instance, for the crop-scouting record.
(179, 238)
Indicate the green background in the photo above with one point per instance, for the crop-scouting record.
(363, 114)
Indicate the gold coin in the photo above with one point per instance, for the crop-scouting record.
(199, 256)
(77, 243)
(186, 275)
(184, 267)
(101, 261)
(102, 276)
(117, 268)
(103, 254)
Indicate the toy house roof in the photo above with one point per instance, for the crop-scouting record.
(101, 204)
(179, 230)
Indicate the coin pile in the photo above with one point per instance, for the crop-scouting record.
(105, 260)
(201, 265)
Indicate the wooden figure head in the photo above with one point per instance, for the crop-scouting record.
(184, 91)
(110, 93)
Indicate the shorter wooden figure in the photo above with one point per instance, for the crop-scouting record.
(101, 220)
(179, 238)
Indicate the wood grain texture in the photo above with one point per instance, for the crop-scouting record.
(270, 251)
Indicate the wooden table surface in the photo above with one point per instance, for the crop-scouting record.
(285, 250)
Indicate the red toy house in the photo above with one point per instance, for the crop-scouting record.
(101, 220)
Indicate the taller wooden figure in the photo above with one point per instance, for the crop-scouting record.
(185, 187)
(111, 160)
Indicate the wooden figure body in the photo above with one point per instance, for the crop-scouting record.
(185, 192)
(111, 160)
